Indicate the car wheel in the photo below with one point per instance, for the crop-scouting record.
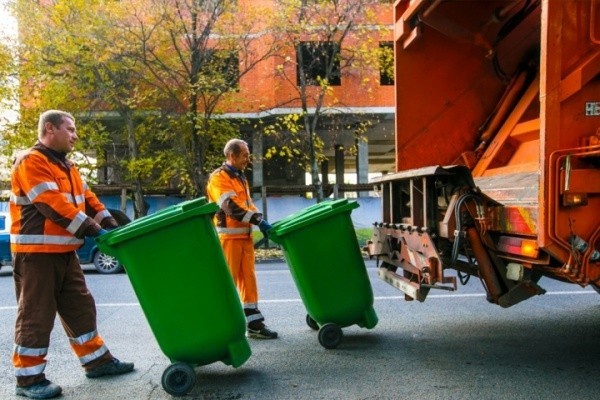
(119, 216)
(106, 264)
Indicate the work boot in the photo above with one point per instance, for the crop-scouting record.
(41, 390)
(113, 367)
(262, 333)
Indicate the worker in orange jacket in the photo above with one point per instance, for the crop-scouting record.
(52, 210)
(228, 187)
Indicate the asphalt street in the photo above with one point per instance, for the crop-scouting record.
(453, 346)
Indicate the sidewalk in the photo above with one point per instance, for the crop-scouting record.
(270, 255)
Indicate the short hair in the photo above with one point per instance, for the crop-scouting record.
(234, 146)
(55, 117)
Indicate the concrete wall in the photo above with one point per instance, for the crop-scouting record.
(362, 217)
(277, 207)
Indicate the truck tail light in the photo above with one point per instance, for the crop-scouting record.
(529, 248)
(519, 246)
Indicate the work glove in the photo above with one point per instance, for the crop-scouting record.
(264, 227)
(102, 232)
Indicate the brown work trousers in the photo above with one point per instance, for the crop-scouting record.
(47, 284)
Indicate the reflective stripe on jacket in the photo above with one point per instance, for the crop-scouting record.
(229, 189)
(50, 205)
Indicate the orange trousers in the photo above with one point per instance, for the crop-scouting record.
(239, 254)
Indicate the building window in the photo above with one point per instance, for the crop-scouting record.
(386, 63)
(315, 59)
(225, 67)
(230, 67)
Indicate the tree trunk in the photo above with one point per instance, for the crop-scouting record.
(140, 207)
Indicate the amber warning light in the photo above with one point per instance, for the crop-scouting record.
(519, 246)
(575, 199)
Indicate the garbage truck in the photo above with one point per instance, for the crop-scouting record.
(497, 143)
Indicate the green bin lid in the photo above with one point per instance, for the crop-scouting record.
(309, 216)
(182, 206)
(314, 208)
(159, 220)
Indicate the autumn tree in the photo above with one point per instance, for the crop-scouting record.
(22, 134)
(73, 58)
(169, 69)
(8, 78)
(327, 40)
(8, 94)
(163, 66)
(196, 53)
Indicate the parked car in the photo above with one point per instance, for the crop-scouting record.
(88, 253)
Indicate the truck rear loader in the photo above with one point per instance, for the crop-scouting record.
(497, 148)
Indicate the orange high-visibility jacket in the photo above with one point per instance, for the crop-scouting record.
(50, 204)
(229, 189)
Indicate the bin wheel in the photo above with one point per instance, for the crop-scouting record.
(311, 323)
(178, 379)
(330, 336)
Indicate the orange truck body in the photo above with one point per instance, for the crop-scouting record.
(497, 147)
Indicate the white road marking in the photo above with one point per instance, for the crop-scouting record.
(377, 298)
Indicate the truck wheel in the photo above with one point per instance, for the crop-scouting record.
(178, 379)
(106, 264)
(312, 323)
(330, 336)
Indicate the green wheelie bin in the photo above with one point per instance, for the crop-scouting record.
(320, 246)
(177, 269)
